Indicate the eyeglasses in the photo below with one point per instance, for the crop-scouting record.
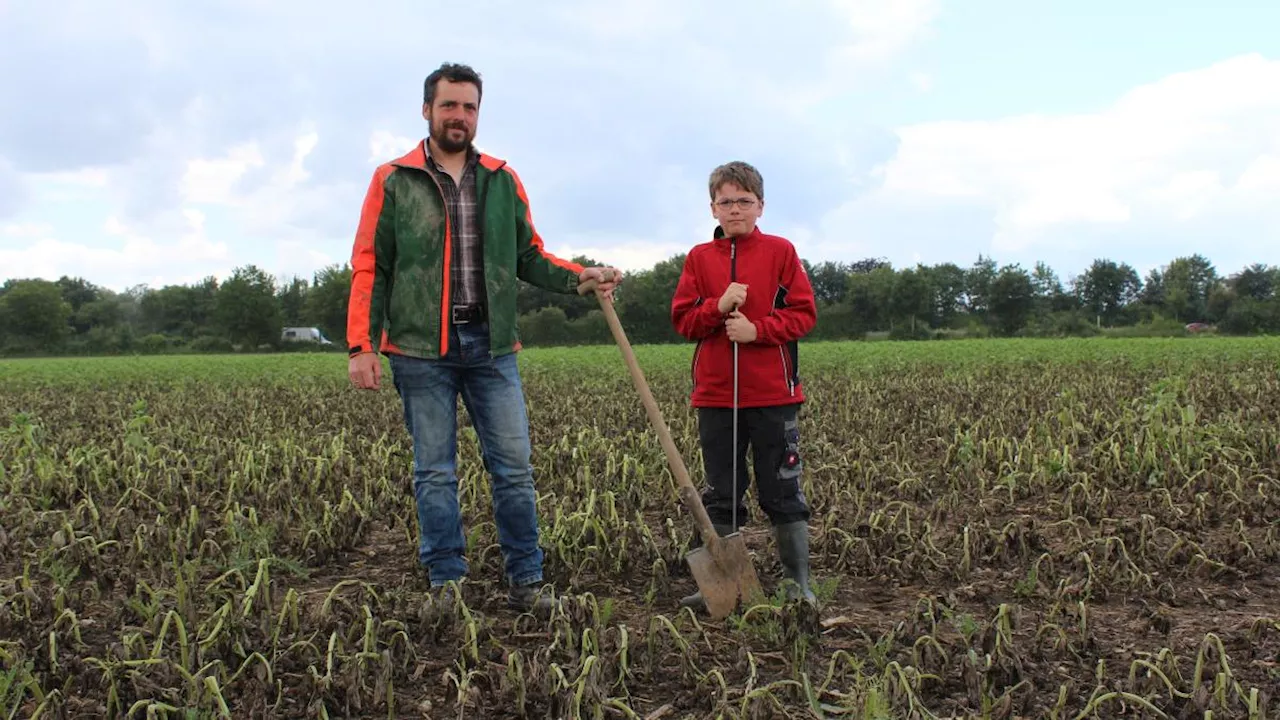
(743, 203)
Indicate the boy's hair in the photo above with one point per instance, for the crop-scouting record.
(454, 73)
(738, 173)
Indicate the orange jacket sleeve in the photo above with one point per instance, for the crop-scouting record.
(372, 259)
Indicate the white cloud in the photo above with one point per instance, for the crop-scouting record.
(613, 133)
(70, 186)
(214, 180)
(1191, 146)
(264, 196)
(302, 147)
(271, 139)
(295, 258)
(385, 145)
(882, 29)
(624, 19)
(136, 258)
(629, 254)
(26, 230)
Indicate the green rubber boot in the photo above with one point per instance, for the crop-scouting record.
(793, 551)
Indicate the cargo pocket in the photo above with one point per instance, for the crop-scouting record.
(791, 464)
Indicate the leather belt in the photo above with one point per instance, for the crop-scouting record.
(467, 314)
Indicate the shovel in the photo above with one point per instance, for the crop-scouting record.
(721, 567)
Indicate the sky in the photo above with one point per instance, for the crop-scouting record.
(157, 142)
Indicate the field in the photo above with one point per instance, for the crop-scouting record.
(1059, 529)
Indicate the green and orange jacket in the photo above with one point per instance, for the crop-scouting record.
(400, 261)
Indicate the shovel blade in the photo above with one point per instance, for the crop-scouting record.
(724, 575)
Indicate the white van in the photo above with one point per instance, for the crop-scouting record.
(304, 334)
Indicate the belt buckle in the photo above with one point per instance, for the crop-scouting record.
(464, 314)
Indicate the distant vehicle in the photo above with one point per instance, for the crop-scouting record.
(304, 334)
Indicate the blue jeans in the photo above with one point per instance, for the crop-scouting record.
(491, 388)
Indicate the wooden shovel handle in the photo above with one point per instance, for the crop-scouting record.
(688, 494)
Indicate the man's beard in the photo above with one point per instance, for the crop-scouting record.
(441, 135)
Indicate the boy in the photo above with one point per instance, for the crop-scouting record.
(748, 289)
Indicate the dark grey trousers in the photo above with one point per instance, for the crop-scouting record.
(774, 438)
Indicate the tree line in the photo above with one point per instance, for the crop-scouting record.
(864, 299)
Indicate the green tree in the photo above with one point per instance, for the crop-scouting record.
(1152, 296)
(978, 285)
(867, 265)
(829, 279)
(105, 312)
(246, 309)
(34, 316)
(644, 302)
(1011, 300)
(78, 293)
(1187, 284)
(547, 326)
(947, 282)
(531, 297)
(184, 311)
(1107, 288)
(293, 302)
(1051, 296)
(1256, 281)
(868, 298)
(326, 302)
(911, 298)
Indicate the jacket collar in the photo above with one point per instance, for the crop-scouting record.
(417, 158)
(721, 239)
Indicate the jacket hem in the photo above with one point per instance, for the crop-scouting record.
(716, 402)
(422, 352)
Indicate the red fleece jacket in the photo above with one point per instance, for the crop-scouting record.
(780, 303)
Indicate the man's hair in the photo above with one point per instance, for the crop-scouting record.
(739, 173)
(452, 72)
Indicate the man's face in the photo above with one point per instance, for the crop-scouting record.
(736, 209)
(453, 115)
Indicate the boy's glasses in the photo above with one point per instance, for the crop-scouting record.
(743, 203)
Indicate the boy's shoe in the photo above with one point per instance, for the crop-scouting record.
(793, 551)
(695, 601)
(532, 598)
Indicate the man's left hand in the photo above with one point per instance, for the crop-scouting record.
(607, 279)
(740, 329)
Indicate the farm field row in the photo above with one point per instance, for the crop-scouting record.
(1044, 528)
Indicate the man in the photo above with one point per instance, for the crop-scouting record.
(444, 233)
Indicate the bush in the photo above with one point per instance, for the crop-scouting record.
(211, 344)
(1158, 326)
(590, 329)
(835, 322)
(548, 326)
(906, 331)
(1061, 324)
(155, 344)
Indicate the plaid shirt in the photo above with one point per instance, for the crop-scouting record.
(467, 261)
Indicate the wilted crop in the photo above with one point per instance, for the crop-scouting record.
(1044, 529)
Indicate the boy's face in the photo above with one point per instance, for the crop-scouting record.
(736, 209)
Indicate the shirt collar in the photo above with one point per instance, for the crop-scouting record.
(473, 156)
